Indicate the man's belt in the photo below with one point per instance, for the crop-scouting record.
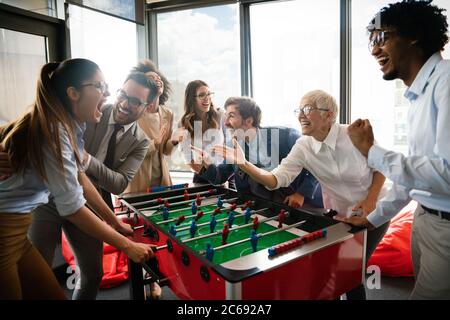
(442, 214)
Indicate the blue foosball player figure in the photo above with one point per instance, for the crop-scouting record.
(247, 215)
(230, 219)
(193, 228)
(209, 252)
(194, 207)
(165, 213)
(219, 202)
(212, 224)
(254, 240)
(173, 231)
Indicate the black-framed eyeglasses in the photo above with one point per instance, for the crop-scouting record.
(306, 110)
(229, 116)
(203, 95)
(101, 86)
(132, 101)
(378, 38)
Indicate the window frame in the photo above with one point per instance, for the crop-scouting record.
(245, 42)
(139, 10)
(53, 29)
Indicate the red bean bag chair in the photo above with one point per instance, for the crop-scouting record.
(393, 254)
(115, 263)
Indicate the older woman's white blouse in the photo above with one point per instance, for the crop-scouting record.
(340, 168)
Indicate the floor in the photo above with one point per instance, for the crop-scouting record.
(389, 289)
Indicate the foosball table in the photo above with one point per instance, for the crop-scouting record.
(215, 243)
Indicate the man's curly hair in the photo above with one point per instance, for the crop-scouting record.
(417, 20)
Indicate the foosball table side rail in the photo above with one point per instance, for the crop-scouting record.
(314, 273)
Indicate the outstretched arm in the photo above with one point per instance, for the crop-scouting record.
(215, 174)
(235, 155)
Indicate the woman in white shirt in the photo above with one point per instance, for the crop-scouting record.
(349, 185)
(203, 122)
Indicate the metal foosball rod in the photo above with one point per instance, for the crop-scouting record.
(208, 212)
(194, 215)
(231, 229)
(159, 206)
(224, 219)
(121, 213)
(162, 200)
(219, 232)
(259, 235)
(201, 206)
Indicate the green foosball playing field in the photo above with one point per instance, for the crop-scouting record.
(231, 252)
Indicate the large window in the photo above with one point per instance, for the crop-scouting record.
(21, 57)
(108, 41)
(295, 49)
(199, 44)
(380, 101)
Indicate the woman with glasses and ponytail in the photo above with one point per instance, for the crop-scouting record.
(45, 147)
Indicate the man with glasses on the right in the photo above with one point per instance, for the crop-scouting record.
(407, 38)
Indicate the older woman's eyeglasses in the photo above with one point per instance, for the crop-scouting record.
(378, 38)
(101, 86)
(306, 110)
(204, 95)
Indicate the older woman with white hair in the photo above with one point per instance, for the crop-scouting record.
(349, 185)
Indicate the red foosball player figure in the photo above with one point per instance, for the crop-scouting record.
(199, 215)
(180, 220)
(167, 204)
(255, 223)
(281, 217)
(198, 200)
(225, 232)
(186, 195)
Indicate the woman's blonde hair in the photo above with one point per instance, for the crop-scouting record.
(323, 100)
